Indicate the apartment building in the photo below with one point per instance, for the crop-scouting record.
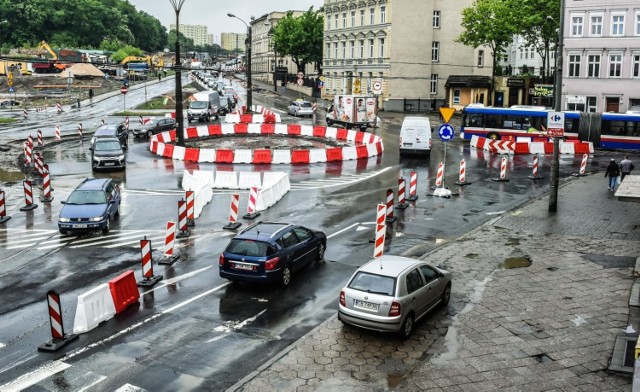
(233, 42)
(406, 46)
(198, 33)
(601, 71)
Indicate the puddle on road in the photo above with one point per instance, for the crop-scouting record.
(10, 176)
(516, 262)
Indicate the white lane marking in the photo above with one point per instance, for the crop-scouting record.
(167, 282)
(118, 240)
(2, 345)
(155, 192)
(130, 388)
(230, 326)
(495, 213)
(311, 184)
(119, 244)
(96, 382)
(34, 377)
(345, 229)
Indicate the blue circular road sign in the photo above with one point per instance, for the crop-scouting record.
(445, 132)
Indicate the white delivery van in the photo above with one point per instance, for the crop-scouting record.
(415, 135)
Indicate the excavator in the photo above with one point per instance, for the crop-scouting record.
(153, 62)
(52, 65)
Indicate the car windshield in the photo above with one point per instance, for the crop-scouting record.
(371, 283)
(248, 248)
(108, 145)
(105, 132)
(87, 197)
(198, 104)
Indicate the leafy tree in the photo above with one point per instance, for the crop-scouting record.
(300, 37)
(185, 43)
(539, 20)
(125, 51)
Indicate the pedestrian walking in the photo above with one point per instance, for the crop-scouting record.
(613, 171)
(625, 167)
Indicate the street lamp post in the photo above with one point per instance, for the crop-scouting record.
(248, 55)
(177, 5)
(555, 162)
(275, 55)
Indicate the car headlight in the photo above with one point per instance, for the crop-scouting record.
(64, 220)
(120, 157)
(97, 159)
(95, 219)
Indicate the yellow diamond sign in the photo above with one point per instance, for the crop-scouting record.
(446, 113)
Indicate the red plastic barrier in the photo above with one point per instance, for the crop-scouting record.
(334, 154)
(267, 129)
(124, 291)
(168, 151)
(215, 129)
(224, 156)
(240, 128)
(300, 156)
(192, 133)
(548, 148)
(294, 129)
(359, 137)
(269, 118)
(341, 134)
(261, 156)
(522, 148)
(246, 118)
(173, 114)
(539, 139)
(319, 131)
(192, 154)
(379, 147)
(154, 147)
(172, 135)
(581, 148)
(481, 142)
(362, 151)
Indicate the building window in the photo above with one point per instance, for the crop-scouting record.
(435, 51)
(381, 47)
(372, 16)
(637, 23)
(335, 21)
(433, 85)
(456, 96)
(344, 50)
(328, 51)
(617, 25)
(353, 18)
(352, 48)
(574, 65)
(615, 65)
(328, 22)
(361, 48)
(344, 20)
(335, 50)
(592, 104)
(481, 58)
(371, 48)
(383, 14)
(436, 20)
(594, 66)
(596, 26)
(576, 26)
(361, 17)
(635, 73)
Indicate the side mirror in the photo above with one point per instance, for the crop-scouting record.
(63, 202)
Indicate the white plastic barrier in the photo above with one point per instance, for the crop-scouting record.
(372, 151)
(160, 151)
(523, 139)
(281, 129)
(232, 118)
(351, 135)
(243, 156)
(536, 148)
(306, 130)
(274, 186)
(474, 141)
(227, 129)
(203, 130)
(567, 148)
(178, 152)
(201, 183)
(254, 128)
(317, 155)
(281, 156)
(207, 155)
(226, 180)
(331, 133)
(94, 307)
(349, 153)
(249, 179)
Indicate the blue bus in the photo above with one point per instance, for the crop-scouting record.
(604, 130)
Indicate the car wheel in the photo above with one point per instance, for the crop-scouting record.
(321, 249)
(149, 134)
(446, 296)
(106, 227)
(407, 327)
(286, 276)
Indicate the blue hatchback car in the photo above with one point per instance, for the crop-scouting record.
(91, 206)
(271, 252)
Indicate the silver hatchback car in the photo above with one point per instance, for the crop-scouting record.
(391, 293)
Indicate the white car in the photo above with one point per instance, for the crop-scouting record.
(300, 108)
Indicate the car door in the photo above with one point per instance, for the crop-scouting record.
(417, 292)
(112, 204)
(435, 282)
(293, 249)
(308, 245)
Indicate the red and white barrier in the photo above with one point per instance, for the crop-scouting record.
(39, 136)
(390, 197)
(126, 122)
(58, 337)
(148, 278)
(59, 107)
(440, 175)
(169, 243)
(28, 151)
(190, 196)
(28, 196)
(182, 220)
(413, 186)
(38, 162)
(3, 209)
(583, 164)
(402, 204)
(251, 204)
(140, 120)
(233, 213)
(80, 131)
(503, 171)
(528, 145)
(25, 114)
(534, 175)
(46, 186)
(381, 226)
(57, 133)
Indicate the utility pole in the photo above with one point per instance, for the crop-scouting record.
(555, 163)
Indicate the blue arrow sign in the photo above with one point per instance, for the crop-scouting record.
(445, 132)
(10, 89)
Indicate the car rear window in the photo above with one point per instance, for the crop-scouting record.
(105, 131)
(371, 283)
(249, 248)
(305, 105)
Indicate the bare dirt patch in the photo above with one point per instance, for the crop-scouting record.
(255, 142)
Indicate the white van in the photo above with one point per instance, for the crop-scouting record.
(415, 135)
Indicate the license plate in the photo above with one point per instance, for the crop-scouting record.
(247, 267)
(407, 144)
(81, 226)
(109, 163)
(365, 305)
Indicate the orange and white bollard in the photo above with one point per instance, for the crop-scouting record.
(503, 171)
(402, 184)
(46, 186)
(58, 337)
(534, 175)
(57, 133)
(3, 209)
(182, 220)
(191, 207)
(59, 107)
(40, 140)
(390, 197)
(413, 186)
(462, 174)
(28, 196)
(148, 278)
(25, 113)
(169, 241)
(28, 153)
(80, 131)
(251, 205)
(233, 214)
(381, 229)
(126, 122)
(440, 175)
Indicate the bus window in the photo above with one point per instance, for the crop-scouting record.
(473, 120)
(612, 127)
(492, 120)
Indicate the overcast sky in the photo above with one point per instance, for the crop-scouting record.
(213, 14)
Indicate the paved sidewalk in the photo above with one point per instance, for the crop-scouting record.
(550, 326)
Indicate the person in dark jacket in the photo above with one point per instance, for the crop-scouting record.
(613, 171)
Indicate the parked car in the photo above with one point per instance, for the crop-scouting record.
(154, 126)
(226, 106)
(271, 252)
(7, 103)
(91, 206)
(300, 108)
(108, 130)
(391, 293)
(107, 153)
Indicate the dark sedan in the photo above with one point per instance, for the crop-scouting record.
(154, 126)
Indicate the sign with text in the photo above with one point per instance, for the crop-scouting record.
(555, 124)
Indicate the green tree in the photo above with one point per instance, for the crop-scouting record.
(539, 21)
(301, 38)
(125, 51)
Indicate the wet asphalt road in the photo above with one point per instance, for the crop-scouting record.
(194, 330)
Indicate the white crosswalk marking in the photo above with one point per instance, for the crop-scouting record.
(345, 179)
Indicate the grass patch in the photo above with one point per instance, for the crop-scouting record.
(4, 120)
(142, 113)
(161, 102)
